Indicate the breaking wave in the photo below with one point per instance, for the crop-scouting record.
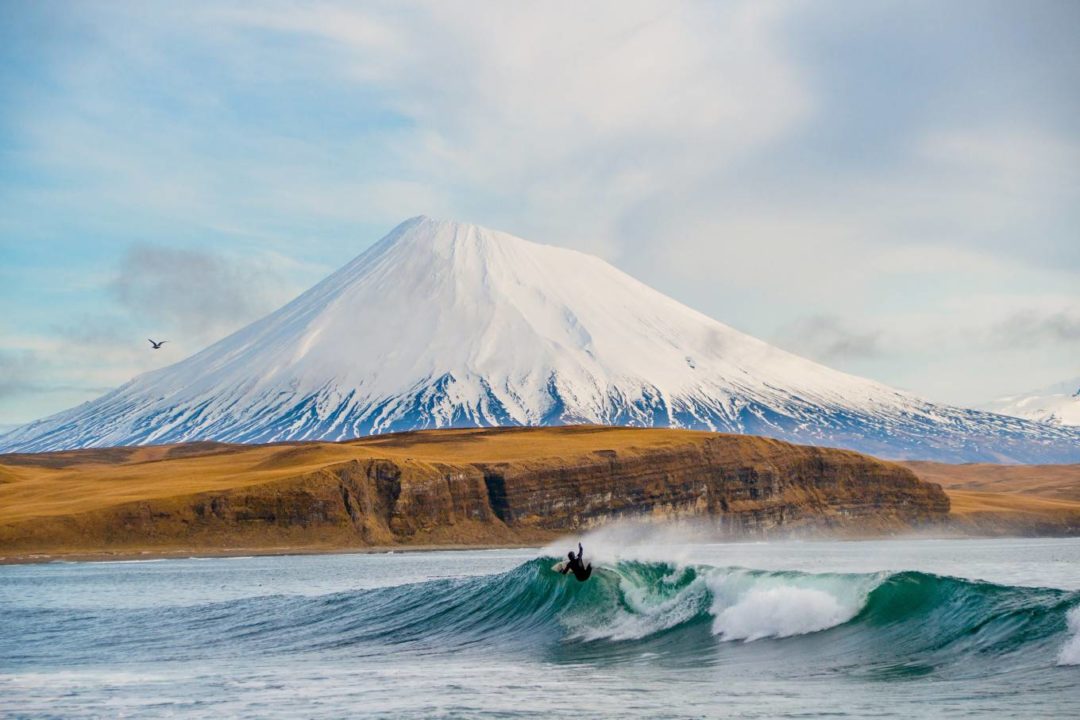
(904, 621)
(1070, 654)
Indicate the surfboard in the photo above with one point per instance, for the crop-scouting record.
(559, 566)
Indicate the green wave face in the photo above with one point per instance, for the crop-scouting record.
(903, 624)
(906, 623)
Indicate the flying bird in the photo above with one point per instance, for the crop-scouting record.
(157, 345)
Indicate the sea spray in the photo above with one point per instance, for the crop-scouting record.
(780, 612)
(751, 605)
(1070, 654)
(668, 542)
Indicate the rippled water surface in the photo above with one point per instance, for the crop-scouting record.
(903, 628)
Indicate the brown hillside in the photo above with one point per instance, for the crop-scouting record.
(1009, 499)
(440, 487)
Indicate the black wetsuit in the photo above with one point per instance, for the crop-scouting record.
(576, 566)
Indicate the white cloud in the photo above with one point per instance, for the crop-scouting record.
(829, 339)
(188, 297)
(199, 294)
(563, 110)
(683, 141)
(1013, 160)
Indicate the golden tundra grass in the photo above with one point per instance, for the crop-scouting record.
(66, 483)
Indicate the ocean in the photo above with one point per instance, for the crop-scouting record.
(664, 629)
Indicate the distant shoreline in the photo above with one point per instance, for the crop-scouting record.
(951, 531)
(498, 488)
(89, 556)
(493, 487)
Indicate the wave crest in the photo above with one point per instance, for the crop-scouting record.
(780, 612)
(1070, 653)
(694, 612)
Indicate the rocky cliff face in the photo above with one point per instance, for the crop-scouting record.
(413, 495)
(756, 486)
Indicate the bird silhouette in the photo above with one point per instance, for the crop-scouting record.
(157, 345)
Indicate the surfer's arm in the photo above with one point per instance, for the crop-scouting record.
(566, 568)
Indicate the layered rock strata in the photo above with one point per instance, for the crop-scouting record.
(461, 487)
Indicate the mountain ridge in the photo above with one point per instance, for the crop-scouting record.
(445, 324)
(1057, 404)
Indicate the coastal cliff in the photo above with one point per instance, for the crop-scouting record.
(444, 488)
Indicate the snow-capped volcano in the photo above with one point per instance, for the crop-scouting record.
(1058, 404)
(446, 324)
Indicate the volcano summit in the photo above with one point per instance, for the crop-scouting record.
(444, 324)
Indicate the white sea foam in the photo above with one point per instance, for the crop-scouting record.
(780, 612)
(751, 607)
(646, 609)
(1070, 654)
(745, 605)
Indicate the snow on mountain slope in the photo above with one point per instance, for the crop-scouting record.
(1058, 404)
(445, 324)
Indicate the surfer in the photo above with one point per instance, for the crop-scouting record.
(576, 565)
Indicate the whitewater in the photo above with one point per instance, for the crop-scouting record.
(666, 628)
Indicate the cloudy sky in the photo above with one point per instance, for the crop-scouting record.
(892, 188)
